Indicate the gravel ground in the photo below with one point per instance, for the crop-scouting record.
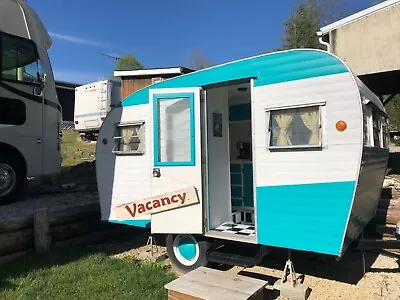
(327, 279)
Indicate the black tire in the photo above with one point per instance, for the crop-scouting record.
(200, 259)
(11, 164)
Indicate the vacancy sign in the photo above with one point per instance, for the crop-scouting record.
(157, 204)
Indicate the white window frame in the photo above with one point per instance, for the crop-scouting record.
(141, 148)
(321, 114)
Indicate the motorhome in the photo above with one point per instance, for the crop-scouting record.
(287, 149)
(30, 114)
(93, 101)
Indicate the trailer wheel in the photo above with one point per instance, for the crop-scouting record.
(187, 252)
(12, 178)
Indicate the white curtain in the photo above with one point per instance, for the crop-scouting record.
(310, 119)
(283, 120)
(127, 133)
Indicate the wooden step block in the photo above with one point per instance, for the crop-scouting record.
(206, 283)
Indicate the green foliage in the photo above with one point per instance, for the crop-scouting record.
(393, 111)
(78, 274)
(128, 62)
(302, 25)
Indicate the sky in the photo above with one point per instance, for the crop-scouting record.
(159, 33)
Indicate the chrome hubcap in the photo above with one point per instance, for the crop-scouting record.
(8, 179)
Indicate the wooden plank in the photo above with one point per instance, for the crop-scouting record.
(41, 229)
(57, 216)
(15, 223)
(172, 295)
(12, 242)
(207, 283)
(67, 231)
(65, 215)
(92, 237)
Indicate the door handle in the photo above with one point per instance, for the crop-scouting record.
(156, 172)
(38, 140)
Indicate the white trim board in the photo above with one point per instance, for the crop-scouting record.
(366, 12)
(163, 71)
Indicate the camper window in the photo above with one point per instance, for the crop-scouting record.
(366, 125)
(19, 59)
(295, 127)
(174, 130)
(376, 127)
(129, 139)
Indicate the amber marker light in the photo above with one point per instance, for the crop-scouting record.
(341, 125)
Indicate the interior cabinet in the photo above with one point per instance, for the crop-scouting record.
(242, 184)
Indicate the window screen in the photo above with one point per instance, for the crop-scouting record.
(175, 135)
(129, 139)
(295, 127)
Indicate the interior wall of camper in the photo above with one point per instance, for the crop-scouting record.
(218, 158)
(230, 169)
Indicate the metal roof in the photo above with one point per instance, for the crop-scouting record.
(364, 13)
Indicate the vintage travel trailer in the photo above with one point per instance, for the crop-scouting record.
(287, 149)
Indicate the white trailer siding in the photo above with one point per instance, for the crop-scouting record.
(124, 178)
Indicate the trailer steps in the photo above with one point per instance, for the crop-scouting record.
(236, 254)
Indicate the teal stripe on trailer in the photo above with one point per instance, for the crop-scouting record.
(266, 69)
(137, 223)
(309, 217)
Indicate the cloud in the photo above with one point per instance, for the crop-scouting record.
(78, 77)
(78, 40)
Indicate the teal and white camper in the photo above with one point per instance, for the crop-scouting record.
(287, 149)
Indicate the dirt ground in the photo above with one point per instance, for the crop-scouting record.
(327, 279)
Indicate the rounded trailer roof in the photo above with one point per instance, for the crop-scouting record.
(265, 69)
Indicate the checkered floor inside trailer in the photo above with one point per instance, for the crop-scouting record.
(240, 229)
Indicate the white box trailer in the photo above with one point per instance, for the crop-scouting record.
(93, 102)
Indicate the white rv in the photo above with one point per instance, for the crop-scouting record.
(93, 102)
(30, 114)
(286, 149)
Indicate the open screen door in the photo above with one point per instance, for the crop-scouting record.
(177, 166)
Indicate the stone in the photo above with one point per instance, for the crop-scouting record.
(297, 292)
(388, 183)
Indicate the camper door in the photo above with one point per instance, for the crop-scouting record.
(176, 164)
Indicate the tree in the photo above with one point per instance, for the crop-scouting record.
(198, 60)
(393, 111)
(302, 25)
(128, 62)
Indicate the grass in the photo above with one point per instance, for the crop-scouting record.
(79, 274)
(74, 150)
